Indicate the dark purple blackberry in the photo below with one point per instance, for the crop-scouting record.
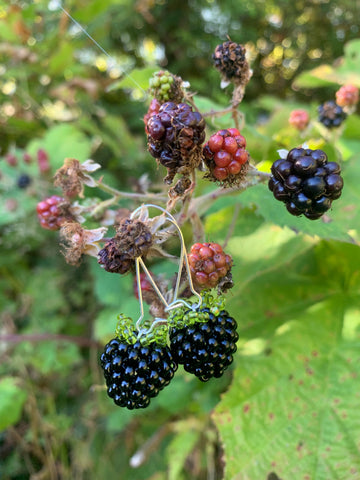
(175, 136)
(135, 373)
(331, 114)
(205, 348)
(23, 181)
(306, 182)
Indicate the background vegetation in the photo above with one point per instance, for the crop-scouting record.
(288, 407)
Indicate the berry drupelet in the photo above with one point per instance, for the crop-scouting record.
(175, 138)
(206, 347)
(306, 182)
(225, 157)
(135, 373)
(208, 264)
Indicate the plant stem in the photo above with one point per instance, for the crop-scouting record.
(136, 196)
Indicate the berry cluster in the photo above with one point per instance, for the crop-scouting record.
(175, 137)
(133, 239)
(205, 348)
(299, 119)
(226, 157)
(331, 114)
(165, 87)
(208, 264)
(229, 58)
(135, 373)
(347, 96)
(50, 213)
(306, 182)
(23, 181)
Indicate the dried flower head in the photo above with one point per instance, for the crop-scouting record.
(73, 175)
(77, 241)
(230, 59)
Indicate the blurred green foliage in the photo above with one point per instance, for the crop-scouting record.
(287, 408)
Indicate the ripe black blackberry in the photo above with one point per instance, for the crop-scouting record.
(229, 58)
(206, 347)
(331, 114)
(135, 373)
(306, 182)
(175, 137)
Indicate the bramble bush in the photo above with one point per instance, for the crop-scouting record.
(214, 333)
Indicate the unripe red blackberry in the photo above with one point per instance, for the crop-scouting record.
(208, 264)
(50, 213)
(347, 96)
(226, 157)
(166, 87)
(152, 110)
(133, 239)
(230, 60)
(11, 160)
(306, 182)
(205, 347)
(43, 161)
(175, 137)
(135, 373)
(299, 119)
(331, 114)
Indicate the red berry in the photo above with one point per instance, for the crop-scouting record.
(208, 264)
(347, 96)
(215, 142)
(299, 119)
(43, 160)
(11, 160)
(225, 156)
(49, 213)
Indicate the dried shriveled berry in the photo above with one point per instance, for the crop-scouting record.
(230, 60)
(133, 239)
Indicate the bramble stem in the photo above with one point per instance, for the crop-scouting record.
(136, 196)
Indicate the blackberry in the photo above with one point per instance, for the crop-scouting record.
(135, 373)
(306, 182)
(133, 239)
(208, 264)
(206, 347)
(50, 213)
(225, 157)
(230, 60)
(331, 114)
(23, 181)
(175, 137)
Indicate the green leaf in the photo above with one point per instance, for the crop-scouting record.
(60, 142)
(12, 399)
(139, 77)
(293, 406)
(180, 447)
